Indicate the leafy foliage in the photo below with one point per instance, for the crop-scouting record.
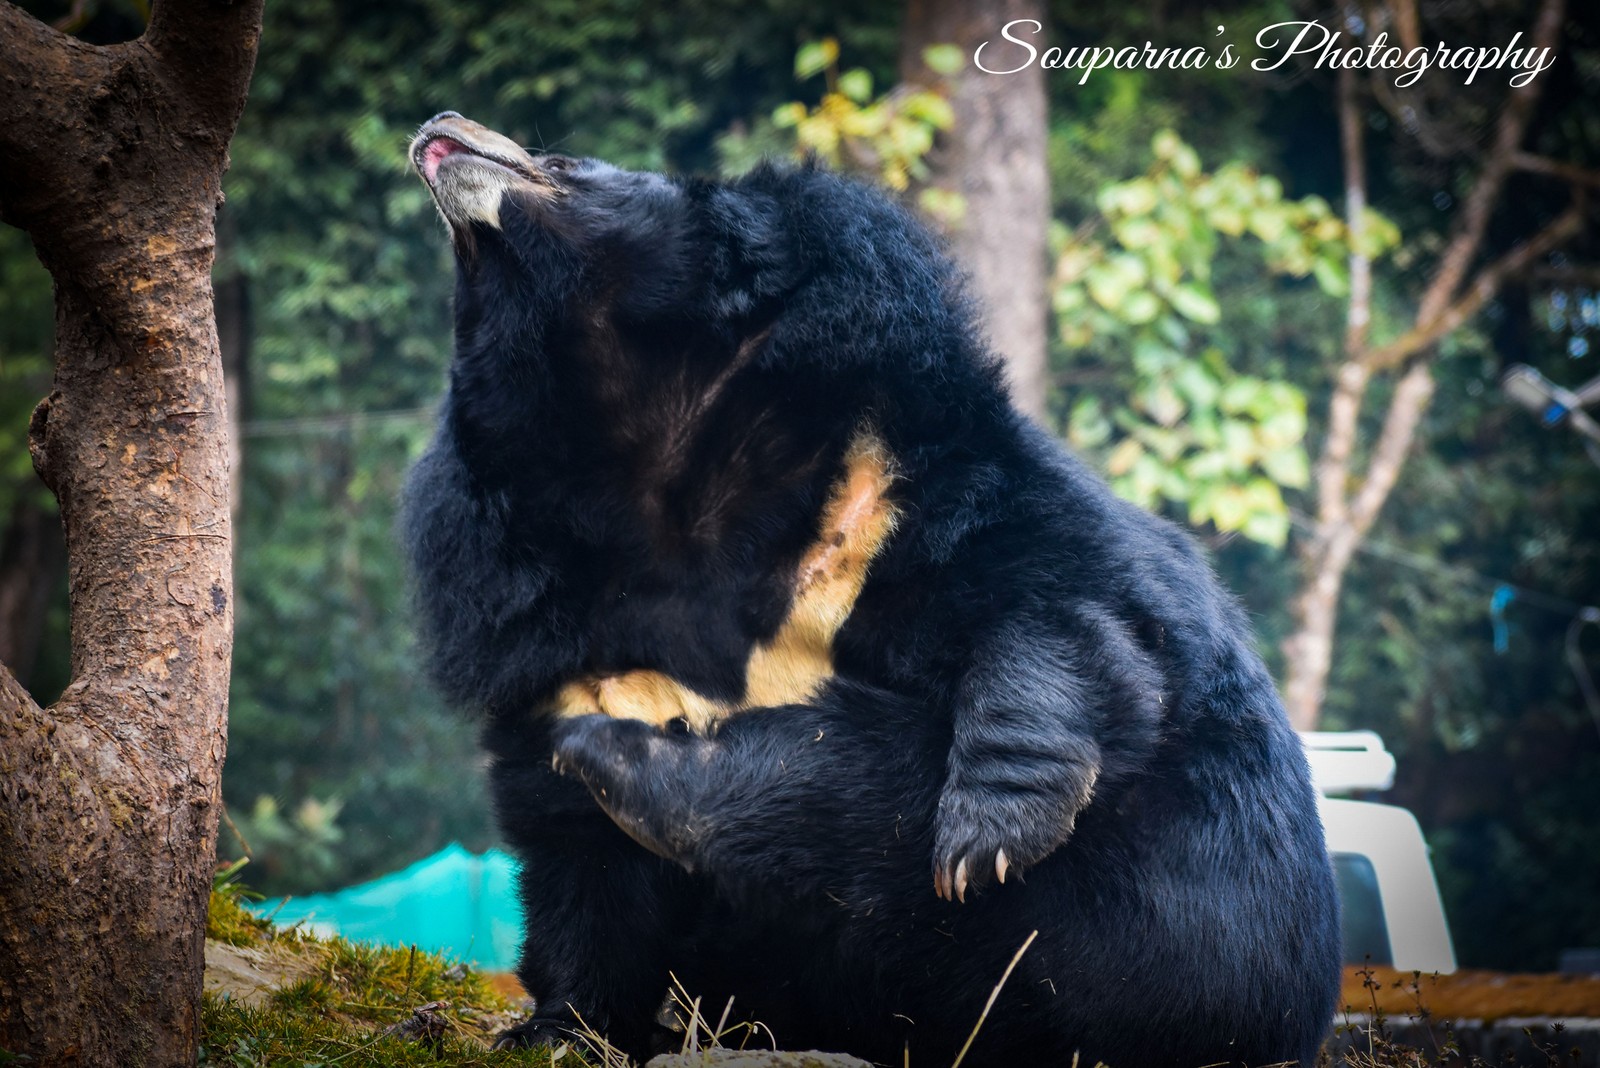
(1181, 425)
(886, 138)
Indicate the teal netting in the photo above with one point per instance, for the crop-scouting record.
(455, 902)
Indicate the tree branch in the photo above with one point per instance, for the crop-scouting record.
(1407, 24)
(1568, 274)
(1351, 384)
(1410, 400)
(13, 698)
(1480, 292)
(1567, 172)
(1498, 164)
(38, 66)
(27, 47)
(210, 48)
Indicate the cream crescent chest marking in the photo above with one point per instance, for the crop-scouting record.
(857, 522)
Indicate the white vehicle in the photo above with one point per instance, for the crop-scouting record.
(1392, 911)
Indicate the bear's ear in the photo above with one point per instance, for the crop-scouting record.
(752, 257)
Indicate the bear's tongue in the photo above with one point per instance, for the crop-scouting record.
(434, 153)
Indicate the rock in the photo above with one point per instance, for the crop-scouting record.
(249, 975)
(744, 1058)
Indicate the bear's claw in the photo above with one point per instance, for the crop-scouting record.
(983, 830)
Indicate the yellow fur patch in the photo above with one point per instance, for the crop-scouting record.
(647, 695)
(856, 523)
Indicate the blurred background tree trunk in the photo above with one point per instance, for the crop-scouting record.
(111, 159)
(32, 561)
(994, 157)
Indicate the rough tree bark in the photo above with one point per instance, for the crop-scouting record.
(995, 158)
(111, 158)
(1348, 500)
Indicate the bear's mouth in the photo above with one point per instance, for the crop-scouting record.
(469, 168)
(449, 135)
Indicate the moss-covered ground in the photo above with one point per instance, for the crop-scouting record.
(354, 1005)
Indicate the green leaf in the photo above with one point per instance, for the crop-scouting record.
(1087, 426)
(857, 85)
(1238, 445)
(1240, 394)
(1161, 400)
(815, 57)
(1195, 382)
(1137, 233)
(1067, 300)
(1108, 287)
(1268, 223)
(1268, 528)
(1287, 467)
(1195, 302)
(932, 109)
(1140, 306)
(1186, 162)
(787, 115)
(945, 59)
(1332, 275)
(1123, 458)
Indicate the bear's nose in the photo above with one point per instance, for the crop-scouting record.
(443, 115)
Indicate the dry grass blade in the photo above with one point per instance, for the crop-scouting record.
(993, 994)
(610, 1056)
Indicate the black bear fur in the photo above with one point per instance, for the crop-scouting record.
(654, 382)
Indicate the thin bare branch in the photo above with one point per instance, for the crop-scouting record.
(1567, 172)
(1351, 385)
(1410, 110)
(1352, 139)
(1347, 505)
(1484, 286)
(1410, 400)
(1407, 24)
(1567, 274)
(1480, 202)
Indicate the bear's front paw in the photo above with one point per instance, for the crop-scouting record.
(986, 829)
(537, 1031)
(640, 775)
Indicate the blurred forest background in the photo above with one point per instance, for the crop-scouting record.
(1198, 300)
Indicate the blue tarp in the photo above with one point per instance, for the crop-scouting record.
(455, 902)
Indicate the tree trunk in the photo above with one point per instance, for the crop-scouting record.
(111, 159)
(995, 158)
